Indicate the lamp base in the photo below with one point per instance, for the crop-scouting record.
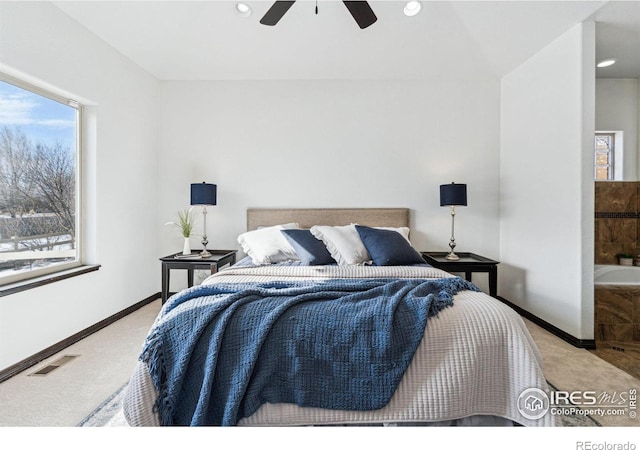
(205, 254)
(452, 257)
(452, 242)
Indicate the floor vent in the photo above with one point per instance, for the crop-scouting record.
(53, 365)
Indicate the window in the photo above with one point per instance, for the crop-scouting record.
(604, 156)
(39, 182)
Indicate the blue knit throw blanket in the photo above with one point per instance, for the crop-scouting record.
(216, 353)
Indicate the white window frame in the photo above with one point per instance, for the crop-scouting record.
(612, 157)
(78, 251)
(618, 154)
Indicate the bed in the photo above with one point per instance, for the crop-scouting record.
(467, 361)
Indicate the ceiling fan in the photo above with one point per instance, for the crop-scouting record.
(360, 10)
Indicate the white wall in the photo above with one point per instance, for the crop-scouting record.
(39, 42)
(546, 183)
(617, 104)
(333, 144)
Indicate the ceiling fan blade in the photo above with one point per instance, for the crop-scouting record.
(275, 13)
(362, 13)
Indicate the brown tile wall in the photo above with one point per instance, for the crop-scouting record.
(617, 314)
(617, 217)
(617, 230)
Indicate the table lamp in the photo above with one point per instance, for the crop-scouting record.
(453, 195)
(204, 194)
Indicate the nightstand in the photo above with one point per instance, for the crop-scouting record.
(468, 263)
(217, 260)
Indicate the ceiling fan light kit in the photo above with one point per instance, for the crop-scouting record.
(360, 10)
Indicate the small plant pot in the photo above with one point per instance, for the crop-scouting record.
(625, 261)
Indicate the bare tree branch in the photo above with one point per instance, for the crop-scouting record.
(37, 178)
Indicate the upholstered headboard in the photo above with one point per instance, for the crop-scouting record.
(307, 217)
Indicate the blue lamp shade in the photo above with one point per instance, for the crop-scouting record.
(453, 194)
(203, 193)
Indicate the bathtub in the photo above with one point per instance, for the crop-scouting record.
(616, 275)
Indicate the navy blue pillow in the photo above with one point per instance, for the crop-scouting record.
(388, 247)
(311, 251)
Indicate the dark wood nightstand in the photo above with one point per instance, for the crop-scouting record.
(217, 260)
(468, 263)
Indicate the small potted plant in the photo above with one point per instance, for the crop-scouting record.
(625, 259)
(185, 225)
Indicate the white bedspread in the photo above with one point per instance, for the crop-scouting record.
(475, 359)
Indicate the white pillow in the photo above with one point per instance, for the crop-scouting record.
(344, 244)
(267, 245)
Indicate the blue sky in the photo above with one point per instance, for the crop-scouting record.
(41, 119)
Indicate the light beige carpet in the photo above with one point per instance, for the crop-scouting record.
(67, 395)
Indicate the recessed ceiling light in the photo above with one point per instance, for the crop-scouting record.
(242, 9)
(606, 63)
(412, 8)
